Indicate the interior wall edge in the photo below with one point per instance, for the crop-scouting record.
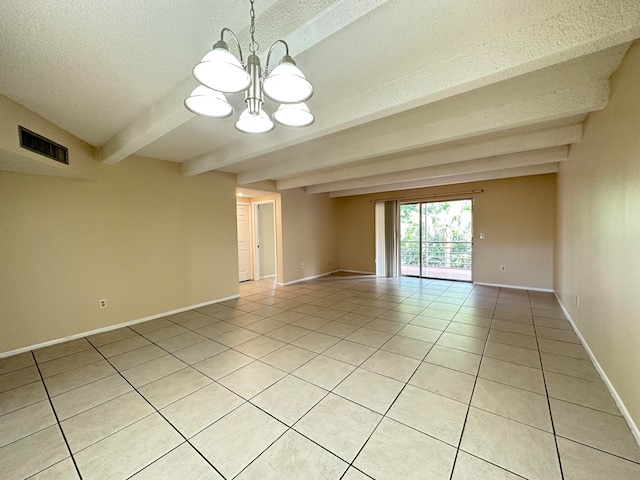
(113, 327)
(635, 431)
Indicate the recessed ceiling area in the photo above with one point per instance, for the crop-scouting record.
(407, 93)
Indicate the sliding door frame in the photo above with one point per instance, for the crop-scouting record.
(421, 205)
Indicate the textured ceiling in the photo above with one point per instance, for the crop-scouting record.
(407, 92)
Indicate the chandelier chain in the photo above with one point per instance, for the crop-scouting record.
(253, 46)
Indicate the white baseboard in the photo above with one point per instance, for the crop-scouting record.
(361, 272)
(305, 279)
(516, 287)
(112, 327)
(623, 409)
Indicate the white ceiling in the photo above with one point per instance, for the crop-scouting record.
(407, 92)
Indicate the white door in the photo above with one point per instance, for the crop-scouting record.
(265, 241)
(244, 241)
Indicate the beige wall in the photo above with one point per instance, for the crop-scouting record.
(140, 234)
(515, 215)
(356, 232)
(14, 158)
(309, 235)
(598, 235)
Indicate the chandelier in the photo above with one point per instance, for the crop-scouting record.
(220, 72)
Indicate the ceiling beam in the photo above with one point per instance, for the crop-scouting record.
(451, 180)
(169, 112)
(500, 162)
(559, 104)
(521, 142)
(575, 32)
(161, 118)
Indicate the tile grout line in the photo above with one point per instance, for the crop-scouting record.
(470, 401)
(636, 462)
(275, 418)
(464, 423)
(223, 386)
(350, 464)
(73, 459)
(546, 390)
(384, 415)
(469, 404)
(161, 415)
(290, 427)
(161, 456)
(270, 445)
(312, 351)
(339, 339)
(363, 326)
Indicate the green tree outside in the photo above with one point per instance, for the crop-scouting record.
(446, 234)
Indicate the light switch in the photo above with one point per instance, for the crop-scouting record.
(482, 236)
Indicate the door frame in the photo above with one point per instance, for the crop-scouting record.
(256, 247)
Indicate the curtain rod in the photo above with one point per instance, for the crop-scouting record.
(422, 197)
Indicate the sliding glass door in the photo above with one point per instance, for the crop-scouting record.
(436, 240)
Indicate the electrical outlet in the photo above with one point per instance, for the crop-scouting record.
(103, 303)
(302, 265)
(503, 268)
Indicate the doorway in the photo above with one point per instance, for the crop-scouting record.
(259, 235)
(265, 239)
(436, 240)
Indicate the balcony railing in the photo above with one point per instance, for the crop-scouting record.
(436, 254)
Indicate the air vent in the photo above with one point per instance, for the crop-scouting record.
(37, 143)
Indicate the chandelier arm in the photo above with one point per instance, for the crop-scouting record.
(220, 71)
(233, 35)
(266, 68)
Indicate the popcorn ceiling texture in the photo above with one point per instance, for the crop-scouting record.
(394, 79)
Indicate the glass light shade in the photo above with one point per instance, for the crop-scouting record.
(294, 115)
(287, 84)
(208, 103)
(221, 71)
(249, 123)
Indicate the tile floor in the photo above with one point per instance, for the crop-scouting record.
(346, 378)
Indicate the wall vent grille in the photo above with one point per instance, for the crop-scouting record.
(38, 144)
